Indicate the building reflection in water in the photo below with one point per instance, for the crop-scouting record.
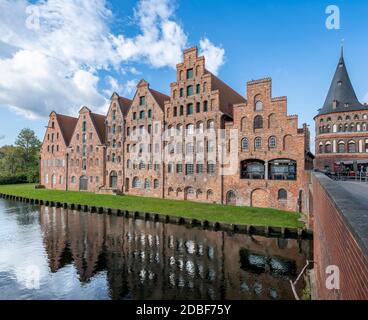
(149, 260)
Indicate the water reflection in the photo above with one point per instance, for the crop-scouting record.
(91, 256)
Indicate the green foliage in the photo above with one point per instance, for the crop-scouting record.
(16, 179)
(185, 209)
(20, 163)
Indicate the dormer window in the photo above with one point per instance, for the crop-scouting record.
(346, 105)
(334, 104)
(339, 83)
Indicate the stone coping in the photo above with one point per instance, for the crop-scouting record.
(267, 231)
(354, 213)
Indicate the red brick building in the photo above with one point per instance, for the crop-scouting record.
(86, 153)
(342, 127)
(54, 162)
(205, 142)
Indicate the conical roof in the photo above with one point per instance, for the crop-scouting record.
(341, 96)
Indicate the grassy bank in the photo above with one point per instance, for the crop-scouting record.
(186, 209)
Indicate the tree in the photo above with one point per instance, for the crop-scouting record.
(10, 162)
(29, 146)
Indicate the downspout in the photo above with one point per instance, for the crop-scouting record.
(67, 172)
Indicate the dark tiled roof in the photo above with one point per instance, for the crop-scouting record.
(160, 98)
(228, 96)
(99, 122)
(124, 104)
(341, 92)
(67, 125)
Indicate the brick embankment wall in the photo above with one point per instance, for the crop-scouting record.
(340, 239)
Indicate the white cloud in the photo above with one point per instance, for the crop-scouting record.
(215, 56)
(54, 52)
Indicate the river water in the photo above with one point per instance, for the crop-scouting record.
(49, 253)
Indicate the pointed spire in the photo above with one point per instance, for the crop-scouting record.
(341, 96)
(342, 48)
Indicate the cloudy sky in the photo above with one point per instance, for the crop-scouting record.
(63, 54)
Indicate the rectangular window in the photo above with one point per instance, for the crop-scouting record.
(205, 106)
(189, 91)
(142, 101)
(175, 111)
(199, 168)
(189, 109)
(210, 168)
(198, 89)
(198, 108)
(189, 169)
(84, 126)
(179, 168)
(189, 73)
(170, 168)
(181, 92)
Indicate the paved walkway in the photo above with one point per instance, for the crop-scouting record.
(357, 190)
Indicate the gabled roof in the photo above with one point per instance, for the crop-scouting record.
(99, 123)
(67, 125)
(228, 96)
(124, 104)
(341, 92)
(160, 98)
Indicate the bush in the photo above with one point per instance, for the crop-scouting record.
(16, 179)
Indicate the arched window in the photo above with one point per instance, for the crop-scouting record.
(258, 103)
(129, 164)
(156, 184)
(170, 191)
(200, 127)
(147, 184)
(257, 143)
(74, 179)
(258, 122)
(149, 114)
(341, 147)
(244, 144)
(320, 149)
(231, 198)
(211, 125)
(287, 142)
(190, 129)
(136, 183)
(209, 194)
(282, 194)
(243, 124)
(272, 123)
(272, 142)
(328, 147)
(179, 129)
(351, 147)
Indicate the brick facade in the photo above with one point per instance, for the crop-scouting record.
(341, 126)
(341, 137)
(182, 146)
(336, 243)
(87, 153)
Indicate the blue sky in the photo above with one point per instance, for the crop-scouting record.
(286, 40)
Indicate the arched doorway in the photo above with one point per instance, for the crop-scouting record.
(113, 180)
(83, 183)
(259, 198)
(231, 198)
